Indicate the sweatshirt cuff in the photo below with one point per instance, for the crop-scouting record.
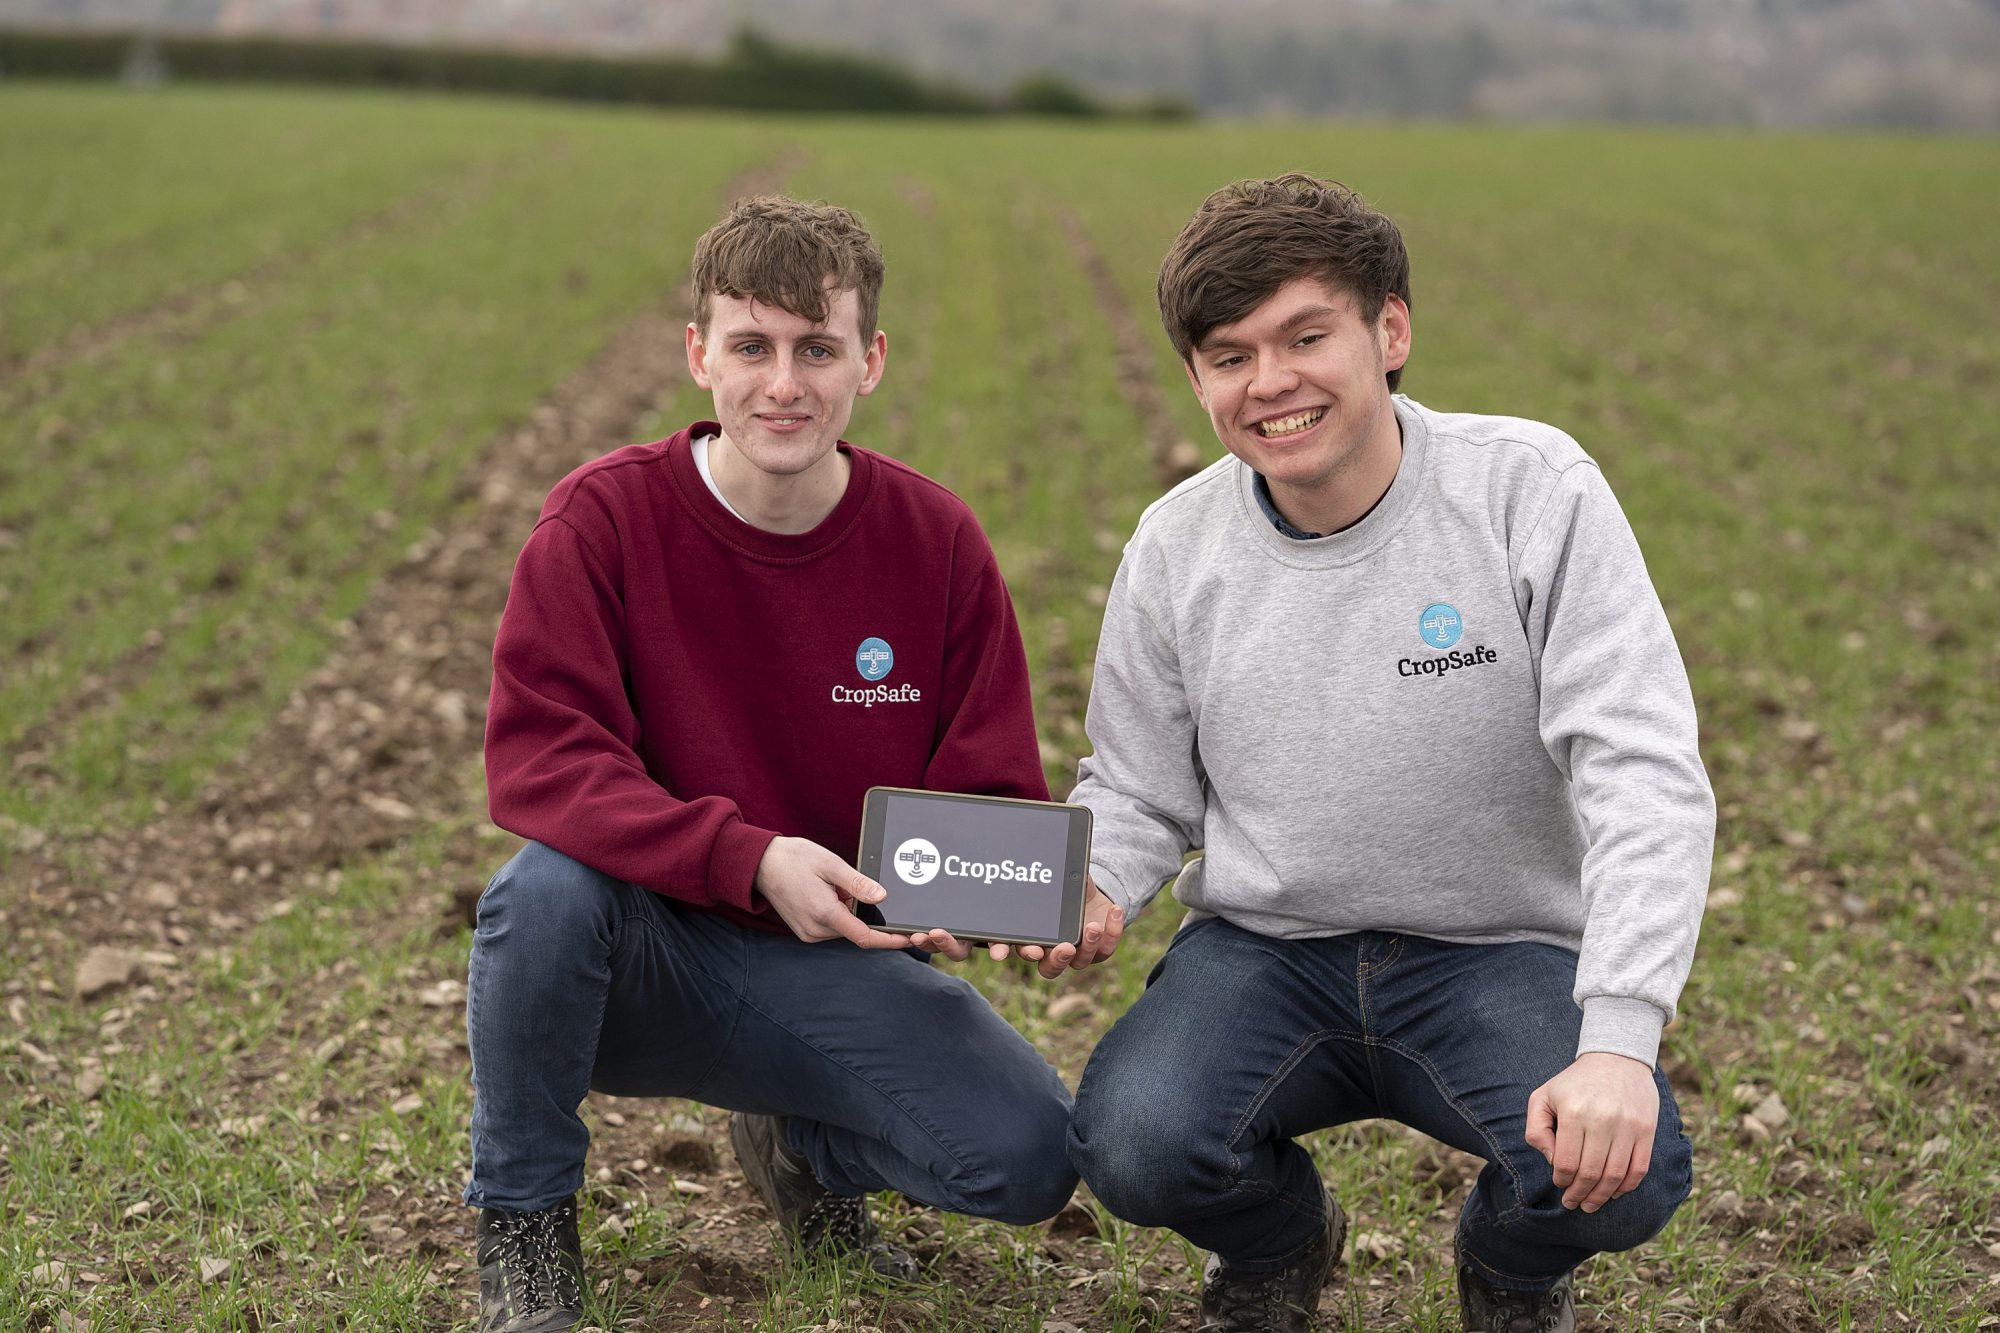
(1622, 1026)
(1112, 889)
(732, 865)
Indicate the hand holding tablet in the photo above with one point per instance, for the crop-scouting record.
(977, 867)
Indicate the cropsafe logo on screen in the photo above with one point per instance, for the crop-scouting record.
(918, 861)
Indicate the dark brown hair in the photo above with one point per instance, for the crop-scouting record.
(1249, 239)
(790, 254)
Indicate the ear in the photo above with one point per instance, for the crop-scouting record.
(697, 358)
(873, 361)
(1393, 328)
(1194, 382)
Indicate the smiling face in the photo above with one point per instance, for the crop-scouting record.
(1297, 390)
(784, 387)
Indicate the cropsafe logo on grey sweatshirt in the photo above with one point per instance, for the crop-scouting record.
(1440, 626)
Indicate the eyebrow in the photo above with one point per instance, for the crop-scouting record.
(1312, 314)
(821, 334)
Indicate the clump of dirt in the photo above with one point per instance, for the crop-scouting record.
(1774, 1309)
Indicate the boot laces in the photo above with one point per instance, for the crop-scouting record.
(531, 1259)
(839, 1222)
(1527, 1311)
(1251, 1303)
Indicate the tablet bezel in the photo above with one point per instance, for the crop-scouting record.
(1075, 867)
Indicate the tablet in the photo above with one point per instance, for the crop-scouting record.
(985, 868)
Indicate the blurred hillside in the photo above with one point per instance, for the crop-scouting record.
(1928, 64)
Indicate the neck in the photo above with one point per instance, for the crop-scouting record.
(1352, 490)
(787, 505)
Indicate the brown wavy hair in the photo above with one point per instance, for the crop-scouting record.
(791, 254)
(1249, 239)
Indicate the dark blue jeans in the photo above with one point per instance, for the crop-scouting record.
(895, 1075)
(1188, 1111)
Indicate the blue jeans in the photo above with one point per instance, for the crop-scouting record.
(1188, 1110)
(895, 1075)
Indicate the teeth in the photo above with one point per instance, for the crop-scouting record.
(1286, 425)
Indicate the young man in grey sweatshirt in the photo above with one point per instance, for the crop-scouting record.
(1401, 677)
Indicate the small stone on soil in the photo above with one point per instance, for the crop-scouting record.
(214, 1270)
(104, 970)
(1069, 1004)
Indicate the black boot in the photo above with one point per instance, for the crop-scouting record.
(1286, 1301)
(530, 1270)
(1490, 1309)
(814, 1220)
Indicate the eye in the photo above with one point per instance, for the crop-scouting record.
(1310, 339)
(817, 352)
(1230, 362)
(750, 349)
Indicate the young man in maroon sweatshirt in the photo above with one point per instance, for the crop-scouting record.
(714, 645)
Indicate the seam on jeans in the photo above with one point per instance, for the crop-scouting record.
(1237, 1183)
(1388, 959)
(1498, 1157)
(909, 1113)
(1501, 1276)
(1362, 971)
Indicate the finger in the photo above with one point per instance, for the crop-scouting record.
(998, 952)
(1086, 948)
(846, 879)
(1589, 1170)
(1609, 1184)
(941, 941)
(1641, 1164)
(866, 936)
(1057, 960)
(1542, 1125)
(1114, 930)
(1568, 1154)
(1032, 952)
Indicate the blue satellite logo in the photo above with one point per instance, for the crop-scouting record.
(874, 659)
(1440, 625)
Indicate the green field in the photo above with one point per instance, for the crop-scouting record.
(283, 377)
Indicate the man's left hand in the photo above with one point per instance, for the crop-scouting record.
(1595, 1122)
(1103, 923)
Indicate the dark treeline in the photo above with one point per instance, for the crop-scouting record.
(755, 73)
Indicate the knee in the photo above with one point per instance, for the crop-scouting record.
(1146, 1159)
(1623, 1223)
(542, 897)
(1633, 1219)
(1025, 1176)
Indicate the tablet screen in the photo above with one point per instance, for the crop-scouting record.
(980, 868)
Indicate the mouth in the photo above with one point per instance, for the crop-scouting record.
(782, 421)
(1277, 428)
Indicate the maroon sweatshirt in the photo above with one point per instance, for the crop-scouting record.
(672, 688)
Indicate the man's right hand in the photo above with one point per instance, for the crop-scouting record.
(814, 892)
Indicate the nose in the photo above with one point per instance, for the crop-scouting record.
(1272, 377)
(783, 386)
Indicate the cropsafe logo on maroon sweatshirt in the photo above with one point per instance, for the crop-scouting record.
(875, 659)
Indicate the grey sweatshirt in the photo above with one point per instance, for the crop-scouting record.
(1465, 717)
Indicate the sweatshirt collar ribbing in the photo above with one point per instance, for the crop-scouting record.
(701, 504)
(1363, 538)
